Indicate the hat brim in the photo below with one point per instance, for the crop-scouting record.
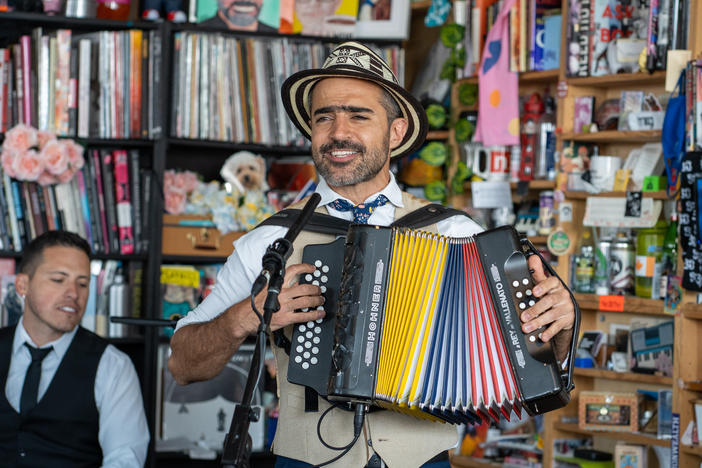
(295, 94)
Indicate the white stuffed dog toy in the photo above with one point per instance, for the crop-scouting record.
(245, 171)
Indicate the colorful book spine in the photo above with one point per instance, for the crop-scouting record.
(96, 167)
(122, 200)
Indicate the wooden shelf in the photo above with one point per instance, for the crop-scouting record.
(632, 305)
(691, 449)
(537, 76)
(59, 21)
(578, 195)
(465, 461)
(438, 135)
(635, 437)
(420, 5)
(627, 376)
(693, 386)
(622, 79)
(118, 142)
(533, 185)
(692, 311)
(229, 147)
(538, 239)
(606, 136)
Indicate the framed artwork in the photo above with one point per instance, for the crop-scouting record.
(383, 19)
(239, 15)
(608, 411)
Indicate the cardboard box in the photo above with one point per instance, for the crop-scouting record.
(195, 235)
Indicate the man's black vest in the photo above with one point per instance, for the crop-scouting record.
(62, 430)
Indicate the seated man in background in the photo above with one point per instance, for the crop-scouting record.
(70, 398)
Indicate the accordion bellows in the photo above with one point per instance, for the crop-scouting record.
(428, 325)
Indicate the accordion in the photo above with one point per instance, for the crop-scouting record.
(427, 325)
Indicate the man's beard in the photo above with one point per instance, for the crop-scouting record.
(240, 19)
(361, 169)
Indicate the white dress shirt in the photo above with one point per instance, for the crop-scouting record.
(234, 280)
(123, 433)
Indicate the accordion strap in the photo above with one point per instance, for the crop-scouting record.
(323, 223)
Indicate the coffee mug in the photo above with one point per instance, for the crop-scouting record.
(603, 170)
(491, 162)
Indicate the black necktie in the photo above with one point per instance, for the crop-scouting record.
(28, 400)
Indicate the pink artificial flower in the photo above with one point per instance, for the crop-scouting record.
(28, 166)
(179, 180)
(47, 178)
(8, 162)
(55, 156)
(168, 178)
(190, 181)
(175, 201)
(45, 136)
(21, 137)
(66, 175)
(75, 153)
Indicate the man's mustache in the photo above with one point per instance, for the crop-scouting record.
(342, 145)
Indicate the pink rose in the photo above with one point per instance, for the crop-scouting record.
(28, 166)
(66, 175)
(55, 156)
(75, 153)
(179, 180)
(8, 162)
(169, 178)
(190, 181)
(20, 138)
(45, 136)
(175, 201)
(47, 178)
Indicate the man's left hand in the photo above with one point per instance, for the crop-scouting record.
(554, 309)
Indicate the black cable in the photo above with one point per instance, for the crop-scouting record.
(319, 429)
(253, 306)
(359, 416)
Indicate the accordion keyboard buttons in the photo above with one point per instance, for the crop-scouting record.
(315, 337)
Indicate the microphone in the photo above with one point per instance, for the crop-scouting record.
(279, 251)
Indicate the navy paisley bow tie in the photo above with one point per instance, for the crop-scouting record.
(361, 212)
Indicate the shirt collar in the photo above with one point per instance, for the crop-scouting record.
(391, 191)
(60, 345)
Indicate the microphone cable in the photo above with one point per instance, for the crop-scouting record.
(358, 418)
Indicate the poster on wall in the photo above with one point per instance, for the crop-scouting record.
(383, 19)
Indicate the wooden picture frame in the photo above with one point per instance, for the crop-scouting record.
(608, 411)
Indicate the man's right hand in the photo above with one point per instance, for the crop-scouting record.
(201, 350)
(293, 296)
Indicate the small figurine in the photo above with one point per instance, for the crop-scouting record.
(173, 8)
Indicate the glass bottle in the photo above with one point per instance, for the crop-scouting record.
(585, 264)
(649, 246)
(669, 255)
(546, 142)
(113, 9)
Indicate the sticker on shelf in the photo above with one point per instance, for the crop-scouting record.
(558, 242)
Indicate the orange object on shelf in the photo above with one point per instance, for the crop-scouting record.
(113, 10)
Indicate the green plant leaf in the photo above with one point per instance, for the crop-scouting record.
(452, 34)
(435, 191)
(464, 130)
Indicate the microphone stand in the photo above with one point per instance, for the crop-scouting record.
(237, 443)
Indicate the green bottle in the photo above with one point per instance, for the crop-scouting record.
(669, 256)
(649, 249)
